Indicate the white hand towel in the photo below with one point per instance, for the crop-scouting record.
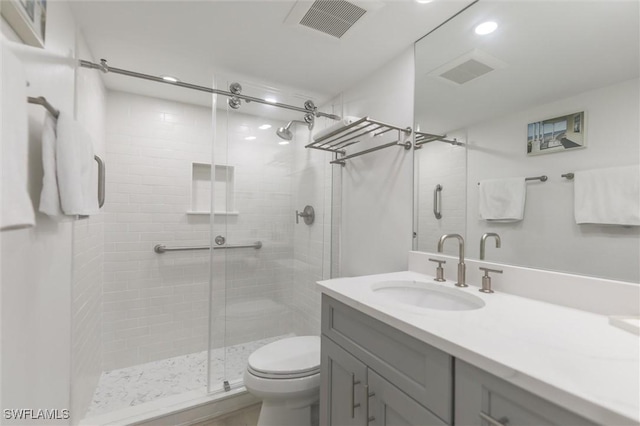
(16, 208)
(502, 200)
(335, 127)
(74, 160)
(608, 196)
(50, 195)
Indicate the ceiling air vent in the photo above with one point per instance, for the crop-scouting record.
(466, 71)
(332, 17)
(468, 67)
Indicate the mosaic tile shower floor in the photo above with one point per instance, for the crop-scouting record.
(130, 386)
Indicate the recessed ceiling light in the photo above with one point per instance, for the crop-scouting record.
(423, 1)
(271, 99)
(249, 138)
(265, 127)
(170, 79)
(283, 143)
(486, 28)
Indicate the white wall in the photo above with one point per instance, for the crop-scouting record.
(36, 263)
(548, 237)
(377, 188)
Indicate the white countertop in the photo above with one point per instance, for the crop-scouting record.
(575, 359)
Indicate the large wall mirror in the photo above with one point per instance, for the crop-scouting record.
(553, 90)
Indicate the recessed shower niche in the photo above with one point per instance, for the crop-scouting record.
(222, 178)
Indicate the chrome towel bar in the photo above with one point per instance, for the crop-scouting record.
(542, 178)
(161, 248)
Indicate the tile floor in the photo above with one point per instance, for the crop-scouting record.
(130, 386)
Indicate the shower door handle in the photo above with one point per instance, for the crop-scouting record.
(101, 180)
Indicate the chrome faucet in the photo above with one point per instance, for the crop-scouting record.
(461, 266)
(483, 241)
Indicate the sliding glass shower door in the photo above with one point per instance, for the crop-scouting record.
(260, 290)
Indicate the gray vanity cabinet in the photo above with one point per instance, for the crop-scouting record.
(372, 374)
(485, 400)
(389, 406)
(343, 385)
(353, 394)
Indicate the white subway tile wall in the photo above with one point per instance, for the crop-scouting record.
(312, 177)
(88, 258)
(155, 305)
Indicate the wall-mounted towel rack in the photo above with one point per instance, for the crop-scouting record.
(423, 138)
(542, 178)
(568, 176)
(351, 134)
(41, 100)
(161, 248)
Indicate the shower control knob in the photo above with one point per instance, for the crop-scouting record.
(308, 214)
(220, 240)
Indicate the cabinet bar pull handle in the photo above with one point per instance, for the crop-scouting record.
(493, 422)
(354, 382)
(366, 404)
(437, 201)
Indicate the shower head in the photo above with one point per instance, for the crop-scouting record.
(285, 132)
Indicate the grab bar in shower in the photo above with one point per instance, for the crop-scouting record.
(161, 248)
(437, 201)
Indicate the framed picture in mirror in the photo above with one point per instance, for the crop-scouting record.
(28, 18)
(556, 134)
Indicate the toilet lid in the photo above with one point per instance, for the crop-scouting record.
(290, 357)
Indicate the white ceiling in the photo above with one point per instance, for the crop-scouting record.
(248, 41)
(551, 50)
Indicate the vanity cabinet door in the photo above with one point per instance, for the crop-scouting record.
(485, 400)
(389, 406)
(344, 379)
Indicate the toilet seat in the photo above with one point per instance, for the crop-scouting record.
(289, 358)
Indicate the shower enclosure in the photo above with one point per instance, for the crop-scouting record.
(203, 261)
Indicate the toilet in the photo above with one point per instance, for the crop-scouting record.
(286, 375)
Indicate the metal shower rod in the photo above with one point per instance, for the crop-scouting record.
(102, 66)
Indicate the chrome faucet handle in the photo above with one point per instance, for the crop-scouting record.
(486, 279)
(439, 271)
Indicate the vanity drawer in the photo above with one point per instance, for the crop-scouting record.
(486, 400)
(420, 370)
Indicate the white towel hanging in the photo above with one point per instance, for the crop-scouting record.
(502, 200)
(608, 196)
(16, 207)
(74, 159)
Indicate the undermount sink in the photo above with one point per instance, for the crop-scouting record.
(426, 295)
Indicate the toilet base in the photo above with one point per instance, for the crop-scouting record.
(280, 413)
